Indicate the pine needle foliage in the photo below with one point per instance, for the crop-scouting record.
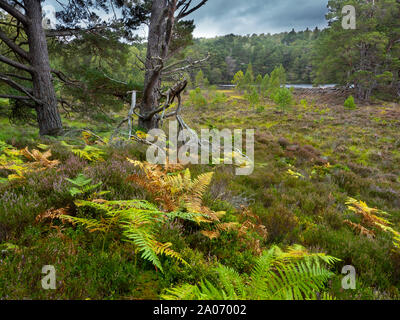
(294, 274)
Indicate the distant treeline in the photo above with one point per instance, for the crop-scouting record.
(232, 53)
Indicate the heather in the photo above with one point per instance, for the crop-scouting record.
(308, 162)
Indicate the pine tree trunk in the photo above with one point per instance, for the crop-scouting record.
(160, 33)
(48, 117)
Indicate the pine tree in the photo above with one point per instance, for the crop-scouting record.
(277, 79)
(249, 77)
(366, 57)
(264, 85)
(238, 80)
(200, 80)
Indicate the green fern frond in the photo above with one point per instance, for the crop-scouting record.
(297, 252)
(233, 283)
(188, 216)
(184, 292)
(292, 281)
(200, 185)
(145, 243)
(277, 275)
(89, 153)
(164, 249)
(91, 224)
(327, 296)
(138, 220)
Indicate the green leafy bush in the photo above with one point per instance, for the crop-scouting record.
(4, 102)
(238, 80)
(349, 103)
(218, 98)
(264, 85)
(201, 81)
(283, 97)
(276, 80)
(252, 97)
(196, 98)
(260, 109)
(304, 103)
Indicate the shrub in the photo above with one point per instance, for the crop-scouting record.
(200, 80)
(260, 109)
(196, 98)
(371, 258)
(276, 80)
(349, 103)
(283, 97)
(219, 98)
(238, 80)
(252, 97)
(304, 103)
(4, 102)
(264, 85)
(199, 267)
(280, 223)
(108, 275)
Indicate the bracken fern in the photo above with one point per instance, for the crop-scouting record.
(294, 274)
(175, 191)
(371, 218)
(137, 220)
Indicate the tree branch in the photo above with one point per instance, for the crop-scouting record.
(171, 94)
(19, 87)
(71, 32)
(182, 69)
(186, 11)
(14, 12)
(16, 64)
(111, 79)
(64, 78)
(6, 96)
(17, 76)
(13, 46)
(9, 24)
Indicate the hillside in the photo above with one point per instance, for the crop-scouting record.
(265, 52)
(138, 162)
(309, 161)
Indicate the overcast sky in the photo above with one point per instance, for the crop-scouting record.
(221, 17)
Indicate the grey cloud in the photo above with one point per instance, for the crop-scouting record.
(220, 17)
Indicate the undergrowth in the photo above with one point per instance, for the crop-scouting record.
(115, 227)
